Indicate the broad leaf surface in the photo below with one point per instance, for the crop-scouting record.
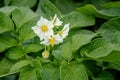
(22, 15)
(6, 42)
(50, 72)
(15, 53)
(6, 23)
(73, 71)
(78, 20)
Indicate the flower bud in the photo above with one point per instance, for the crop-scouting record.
(45, 54)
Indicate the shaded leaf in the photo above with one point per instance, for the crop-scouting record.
(47, 9)
(115, 4)
(5, 65)
(104, 76)
(6, 42)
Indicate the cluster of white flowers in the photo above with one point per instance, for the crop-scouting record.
(49, 32)
(45, 31)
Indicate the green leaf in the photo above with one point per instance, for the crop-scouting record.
(73, 71)
(116, 38)
(33, 48)
(7, 2)
(101, 51)
(104, 76)
(115, 65)
(114, 57)
(104, 13)
(80, 40)
(50, 72)
(28, 74)
(115, 4)
(97, 48)
(66, 51)
(22, 15)
(65, 6)
(108, 29)
(17, 66)
(26, 3)
(15, 53)
(8, 10)
(78, 20)
(57, 55)
(5, 65)
(26, 32)
(47, 9)
(6, 42)
(6, 23)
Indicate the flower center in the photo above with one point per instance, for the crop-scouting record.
(44, 28)
(52, 41)
(54, 22)
(60, 32)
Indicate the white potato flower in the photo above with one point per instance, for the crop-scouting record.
(56, 39)
(43, 28)
(56, 21)
(64, 32)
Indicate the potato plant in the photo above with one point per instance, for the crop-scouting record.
(83, 42)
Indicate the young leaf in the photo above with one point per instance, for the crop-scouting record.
(15, 53)
(22, 15)
(6, 23)
(73, 71)
(78, 20)
(6, 42)
(50, 72)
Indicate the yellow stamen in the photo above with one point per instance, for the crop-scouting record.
(52, 41)
(44, 28)
(60, 32)
(54, 22)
